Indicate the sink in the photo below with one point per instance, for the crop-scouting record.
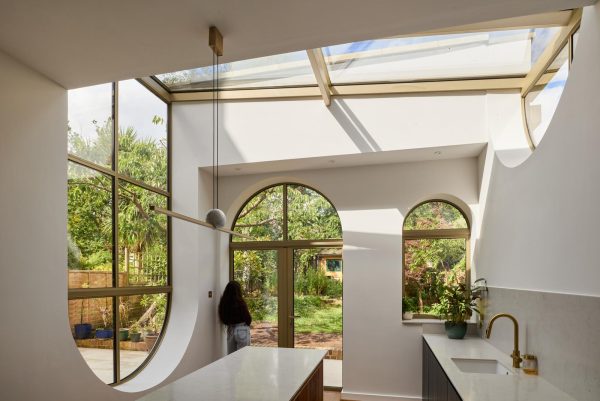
(486, 366)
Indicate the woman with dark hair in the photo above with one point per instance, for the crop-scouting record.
(234, 313)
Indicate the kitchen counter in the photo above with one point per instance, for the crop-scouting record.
(489, 387)
(252, 373)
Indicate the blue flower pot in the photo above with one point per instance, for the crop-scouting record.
(104, 333)
(456, 331)
(83, 330)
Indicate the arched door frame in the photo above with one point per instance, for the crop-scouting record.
(285, 250)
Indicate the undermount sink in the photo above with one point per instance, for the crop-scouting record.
(487, 366)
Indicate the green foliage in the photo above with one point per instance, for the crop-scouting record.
(409, 304)
(435, 215)
(317, 315)
(262, 308)
(456, 304)
(90, 203)
(310, 215)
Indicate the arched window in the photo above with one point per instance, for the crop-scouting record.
(292, 271)
(119, 281)
(435, 252)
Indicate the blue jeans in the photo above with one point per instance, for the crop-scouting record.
(238, 336)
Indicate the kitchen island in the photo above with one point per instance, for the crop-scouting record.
(252, 373)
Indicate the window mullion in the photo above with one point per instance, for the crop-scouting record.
(115, 265)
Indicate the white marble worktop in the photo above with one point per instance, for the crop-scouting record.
(252, 373)
(489, 387)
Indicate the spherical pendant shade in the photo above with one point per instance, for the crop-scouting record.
(216, 217)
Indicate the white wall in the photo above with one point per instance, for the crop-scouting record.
(39, 358)
(540, 230)
(381, 355)
(260, 131)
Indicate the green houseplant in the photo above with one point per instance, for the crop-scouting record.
(134, 333)
(456, 306)
(409, 307)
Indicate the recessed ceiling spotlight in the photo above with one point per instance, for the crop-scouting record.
(437, 152)
(331, 161)
(238, 169)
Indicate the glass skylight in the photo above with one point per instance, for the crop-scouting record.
(473, 55)
(454, 56)
(282, 70)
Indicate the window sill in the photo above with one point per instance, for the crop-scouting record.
(432, 321)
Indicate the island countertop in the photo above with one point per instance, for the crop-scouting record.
(489, 387)
(252, 373)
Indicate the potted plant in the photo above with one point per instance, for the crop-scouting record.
(124, 308)
(134, 333)
(82, 330)
(151, 334)
(106, 331)
(409, 306)
(456, 306)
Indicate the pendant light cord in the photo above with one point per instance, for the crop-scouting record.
(215, 131)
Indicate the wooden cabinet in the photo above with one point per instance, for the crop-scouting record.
(312, 390)
(436, 386)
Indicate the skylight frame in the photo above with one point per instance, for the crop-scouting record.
(326, 90)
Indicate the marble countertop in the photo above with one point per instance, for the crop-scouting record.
(252, 373)
(489, 387)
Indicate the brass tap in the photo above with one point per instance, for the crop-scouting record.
(516, 355)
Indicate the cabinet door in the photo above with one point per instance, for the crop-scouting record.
(425, 376)
(438, 390)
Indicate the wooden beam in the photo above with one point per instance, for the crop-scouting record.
(463, 85)
(153, 86)
(548, 56)
(248, 94)
(319, 67)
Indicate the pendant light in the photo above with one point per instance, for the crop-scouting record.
(215, 216)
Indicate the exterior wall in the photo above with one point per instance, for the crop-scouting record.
(381, 354)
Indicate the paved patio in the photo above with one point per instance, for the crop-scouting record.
(101, 362)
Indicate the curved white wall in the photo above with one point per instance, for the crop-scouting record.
(540, 229)
(381, 354)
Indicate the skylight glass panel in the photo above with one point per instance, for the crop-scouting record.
(282, 70)
(436, 57)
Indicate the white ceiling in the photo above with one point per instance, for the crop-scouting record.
(83, 42)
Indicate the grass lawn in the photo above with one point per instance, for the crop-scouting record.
(317, 315)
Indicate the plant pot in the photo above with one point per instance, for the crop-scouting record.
(150, 340)
(123, 334)
(83, 330)
(135, 337)
(407, 315)
(104, 333)
(456, 331)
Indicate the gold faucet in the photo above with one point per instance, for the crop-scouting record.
(516, 355)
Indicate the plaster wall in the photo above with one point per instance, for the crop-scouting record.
(540, 227)
(381, 354)
(539, 234)
(261, 131)
(39, 357)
